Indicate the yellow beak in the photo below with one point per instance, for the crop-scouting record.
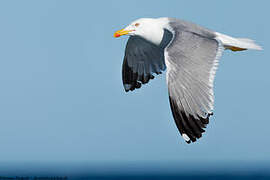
(121, 32)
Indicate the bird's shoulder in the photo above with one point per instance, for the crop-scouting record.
(178, 25)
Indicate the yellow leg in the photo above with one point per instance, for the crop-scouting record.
(233, 48)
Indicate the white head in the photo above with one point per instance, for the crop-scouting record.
(147, 28)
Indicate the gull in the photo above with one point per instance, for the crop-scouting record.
(190, 53)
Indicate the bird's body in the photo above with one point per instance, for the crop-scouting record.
(190, 53)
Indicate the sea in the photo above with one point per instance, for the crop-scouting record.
(135, 171)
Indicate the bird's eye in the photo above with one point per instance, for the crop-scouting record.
(137, 24)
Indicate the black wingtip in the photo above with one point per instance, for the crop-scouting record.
(132, 87)
(188, 142)
(189, 127)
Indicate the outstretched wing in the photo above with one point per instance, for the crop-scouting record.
(142, 59)
(191, 61)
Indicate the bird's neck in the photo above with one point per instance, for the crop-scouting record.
(155, 33)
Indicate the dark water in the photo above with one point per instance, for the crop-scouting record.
(178, 177)
(147, 177)
(135, 171)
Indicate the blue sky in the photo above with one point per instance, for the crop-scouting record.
(62, 99)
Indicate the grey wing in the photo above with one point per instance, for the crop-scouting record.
(142, 59)
(191, 61)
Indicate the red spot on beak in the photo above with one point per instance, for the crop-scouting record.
(116, 35)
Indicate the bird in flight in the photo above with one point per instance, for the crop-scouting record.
(190, 53)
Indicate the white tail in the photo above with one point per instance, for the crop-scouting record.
(237, 44)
